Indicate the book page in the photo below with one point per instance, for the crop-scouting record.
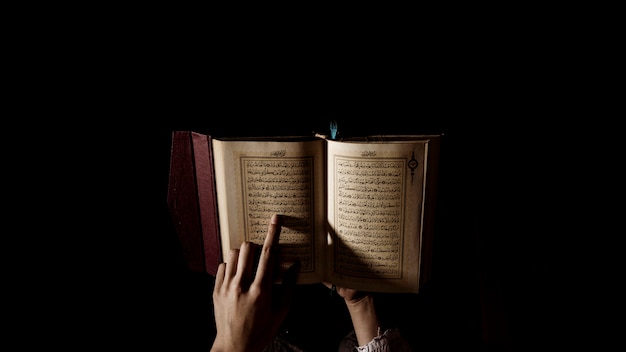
(257, 178)
(375, 210)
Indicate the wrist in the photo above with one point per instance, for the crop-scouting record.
(364, 319)
(224, 346)
(235, 345)
(362, 303)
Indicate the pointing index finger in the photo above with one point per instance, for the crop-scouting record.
(269, 253)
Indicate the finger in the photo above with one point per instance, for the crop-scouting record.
(219, 278)
(334, 289)
(269, 253)
(245, 265)
(332, 286)
(231, 265)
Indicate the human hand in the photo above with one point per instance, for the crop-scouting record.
(362, 311)
(249, 308)
(351, 296)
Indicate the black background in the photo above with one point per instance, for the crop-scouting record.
(479, 296)
(104, 118)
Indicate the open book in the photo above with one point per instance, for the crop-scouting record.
(357, 212)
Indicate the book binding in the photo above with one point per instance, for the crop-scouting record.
(192, 200)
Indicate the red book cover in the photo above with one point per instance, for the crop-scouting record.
(192, 200)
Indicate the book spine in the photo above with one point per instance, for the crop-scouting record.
(207, 200)
(191, 200)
